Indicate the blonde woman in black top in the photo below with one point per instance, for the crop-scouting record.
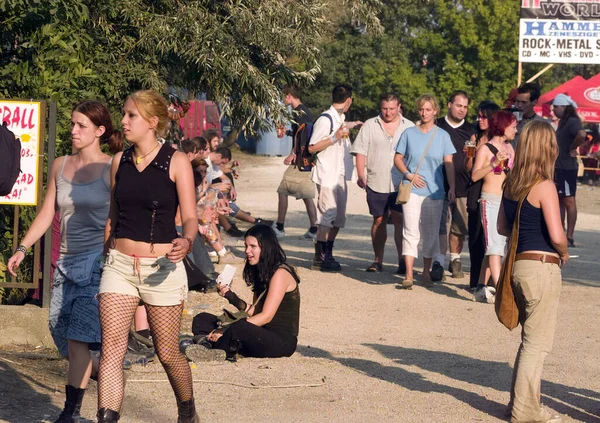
(149, 182)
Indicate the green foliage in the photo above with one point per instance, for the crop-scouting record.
(430, 46)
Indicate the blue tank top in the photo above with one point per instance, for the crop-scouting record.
(533, 232)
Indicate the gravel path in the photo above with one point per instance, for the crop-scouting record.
(367, 351)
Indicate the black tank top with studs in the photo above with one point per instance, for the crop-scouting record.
(147, 200)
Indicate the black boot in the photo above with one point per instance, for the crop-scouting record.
(70, 413)
(319, 253)
(187, 412)
(329, 263)
(108, 416)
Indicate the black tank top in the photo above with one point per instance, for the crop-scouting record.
(147, 200)
(533, 232)
(287, 318)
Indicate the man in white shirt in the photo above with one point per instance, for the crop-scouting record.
(374, 149)
(330, 144)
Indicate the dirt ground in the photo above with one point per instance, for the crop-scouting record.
(367, 351)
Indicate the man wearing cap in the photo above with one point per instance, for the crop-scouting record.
(569, 136)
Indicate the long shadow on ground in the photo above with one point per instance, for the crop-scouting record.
(19, 401)
(579, 404)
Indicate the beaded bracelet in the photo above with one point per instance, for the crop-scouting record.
(190, 244)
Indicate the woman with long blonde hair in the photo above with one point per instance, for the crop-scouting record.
(541, 252)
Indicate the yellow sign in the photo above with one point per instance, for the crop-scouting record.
(24, 119)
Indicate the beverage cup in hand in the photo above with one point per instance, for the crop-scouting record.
(345, 132)
(470, 148)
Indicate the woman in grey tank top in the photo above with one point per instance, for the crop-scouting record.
(79, 187)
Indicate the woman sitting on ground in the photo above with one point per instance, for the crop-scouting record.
(272, 328)
(541, 252)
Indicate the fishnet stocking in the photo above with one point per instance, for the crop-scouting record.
(165, 324)
(116, 315)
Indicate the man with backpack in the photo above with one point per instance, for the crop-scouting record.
(295, 182)
(374, 149)
(333, 165)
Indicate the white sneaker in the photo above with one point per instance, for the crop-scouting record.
(214, 257)
(490, 295)
(309, 235)
(278, 233)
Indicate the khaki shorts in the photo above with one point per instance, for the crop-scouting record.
(297, 184)
(155, 280)
(331, 205)
(455, 218)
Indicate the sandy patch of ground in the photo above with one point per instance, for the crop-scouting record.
(367, 351)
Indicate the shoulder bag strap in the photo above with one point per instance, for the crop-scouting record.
(424, 153)
(514, 235)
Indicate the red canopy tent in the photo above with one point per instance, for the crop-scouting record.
(586, 93)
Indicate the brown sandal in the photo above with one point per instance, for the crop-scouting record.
(375, 267)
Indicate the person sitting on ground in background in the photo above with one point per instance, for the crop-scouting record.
(271, 330)
(214, 198)
(295, 183)
(79, 187)
(492, 162)
(236, 212)
(189, 148)
(212, 137)
(476, 235)
(541, 252)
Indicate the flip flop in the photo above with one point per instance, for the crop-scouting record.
(374, 267)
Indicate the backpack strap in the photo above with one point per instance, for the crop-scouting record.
(330, 120)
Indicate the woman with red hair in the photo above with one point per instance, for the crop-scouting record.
(492, 162)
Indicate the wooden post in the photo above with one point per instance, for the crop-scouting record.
(519, 74)
(15, 236)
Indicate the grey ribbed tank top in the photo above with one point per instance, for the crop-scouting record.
(83, 212)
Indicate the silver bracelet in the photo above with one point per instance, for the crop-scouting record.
(21, 248)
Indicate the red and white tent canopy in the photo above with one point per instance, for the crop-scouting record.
(586, 93)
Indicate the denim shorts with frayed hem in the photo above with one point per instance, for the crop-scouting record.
(74, 310)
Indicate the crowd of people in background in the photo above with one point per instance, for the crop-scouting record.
(157, 212)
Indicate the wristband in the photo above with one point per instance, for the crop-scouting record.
(406, 173)
(21, 248)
